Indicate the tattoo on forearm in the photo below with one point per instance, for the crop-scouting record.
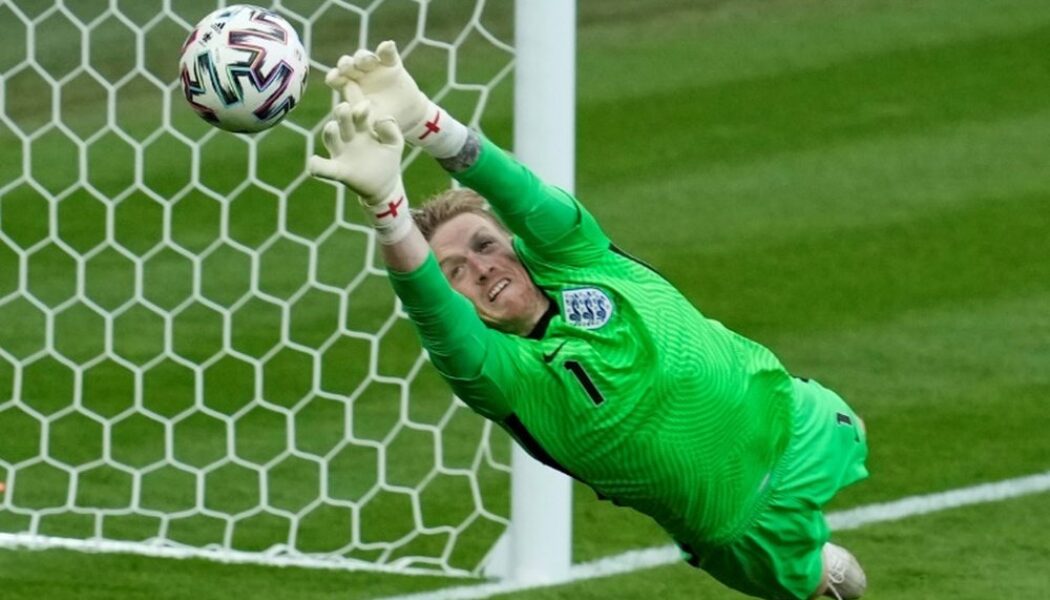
(466, 157)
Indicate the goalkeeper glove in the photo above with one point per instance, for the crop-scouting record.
(366, 157)
(382, 79)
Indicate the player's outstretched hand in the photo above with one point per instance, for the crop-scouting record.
(365, 153)
(366, 157)
(380, 77)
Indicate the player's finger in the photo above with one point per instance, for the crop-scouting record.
(365, 61)
(330, 138)
(335, 80)
(347, 68)
(322, 167)
(387, 53)
(388, 132)
(360, 115)
(344, 117)
(352, 93)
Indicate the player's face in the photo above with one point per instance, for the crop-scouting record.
(478, 260)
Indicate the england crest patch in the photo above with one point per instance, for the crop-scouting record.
(589, 308)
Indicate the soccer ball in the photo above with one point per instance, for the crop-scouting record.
(243, 68)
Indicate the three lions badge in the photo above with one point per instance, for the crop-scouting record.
(589, 308)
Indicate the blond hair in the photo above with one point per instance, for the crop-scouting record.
(446, 205)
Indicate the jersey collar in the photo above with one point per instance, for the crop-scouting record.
(540, 329)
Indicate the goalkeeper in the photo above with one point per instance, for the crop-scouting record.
(591, 360)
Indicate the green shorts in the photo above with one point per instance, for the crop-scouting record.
(779, 555)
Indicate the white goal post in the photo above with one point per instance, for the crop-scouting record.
(199, 353)
(545, 139)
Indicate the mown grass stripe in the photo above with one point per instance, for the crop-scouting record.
(636, 560)
(906, 90)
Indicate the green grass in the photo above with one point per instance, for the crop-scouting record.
(858, 185)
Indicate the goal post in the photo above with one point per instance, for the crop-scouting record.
(199, 353)
(544, 138)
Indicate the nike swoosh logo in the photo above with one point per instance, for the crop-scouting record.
(547, 358)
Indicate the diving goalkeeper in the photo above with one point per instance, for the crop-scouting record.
(590, 359)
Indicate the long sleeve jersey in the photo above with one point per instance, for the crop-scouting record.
(624, 385)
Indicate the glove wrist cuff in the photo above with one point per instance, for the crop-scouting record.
(389, 215)
(439, 134)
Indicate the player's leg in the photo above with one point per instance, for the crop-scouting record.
(777, 558)
(784, 554)
(837, 446)
(781, 558)
(844, 578)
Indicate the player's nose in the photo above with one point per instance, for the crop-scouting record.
(481, 268)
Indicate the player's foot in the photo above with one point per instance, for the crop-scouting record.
(844, 576)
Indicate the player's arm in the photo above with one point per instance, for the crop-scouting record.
(549, 220)
(365, 155)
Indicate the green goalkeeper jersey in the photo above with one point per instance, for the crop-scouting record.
(623, 385)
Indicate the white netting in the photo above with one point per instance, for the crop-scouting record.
(198, 352)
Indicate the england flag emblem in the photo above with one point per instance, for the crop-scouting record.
(589, 308)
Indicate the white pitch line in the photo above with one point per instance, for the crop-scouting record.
(278, 556)
(637, 560)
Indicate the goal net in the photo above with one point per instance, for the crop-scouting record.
(200, 354)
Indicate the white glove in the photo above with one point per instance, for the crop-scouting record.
(366, 157)
(382, 79)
